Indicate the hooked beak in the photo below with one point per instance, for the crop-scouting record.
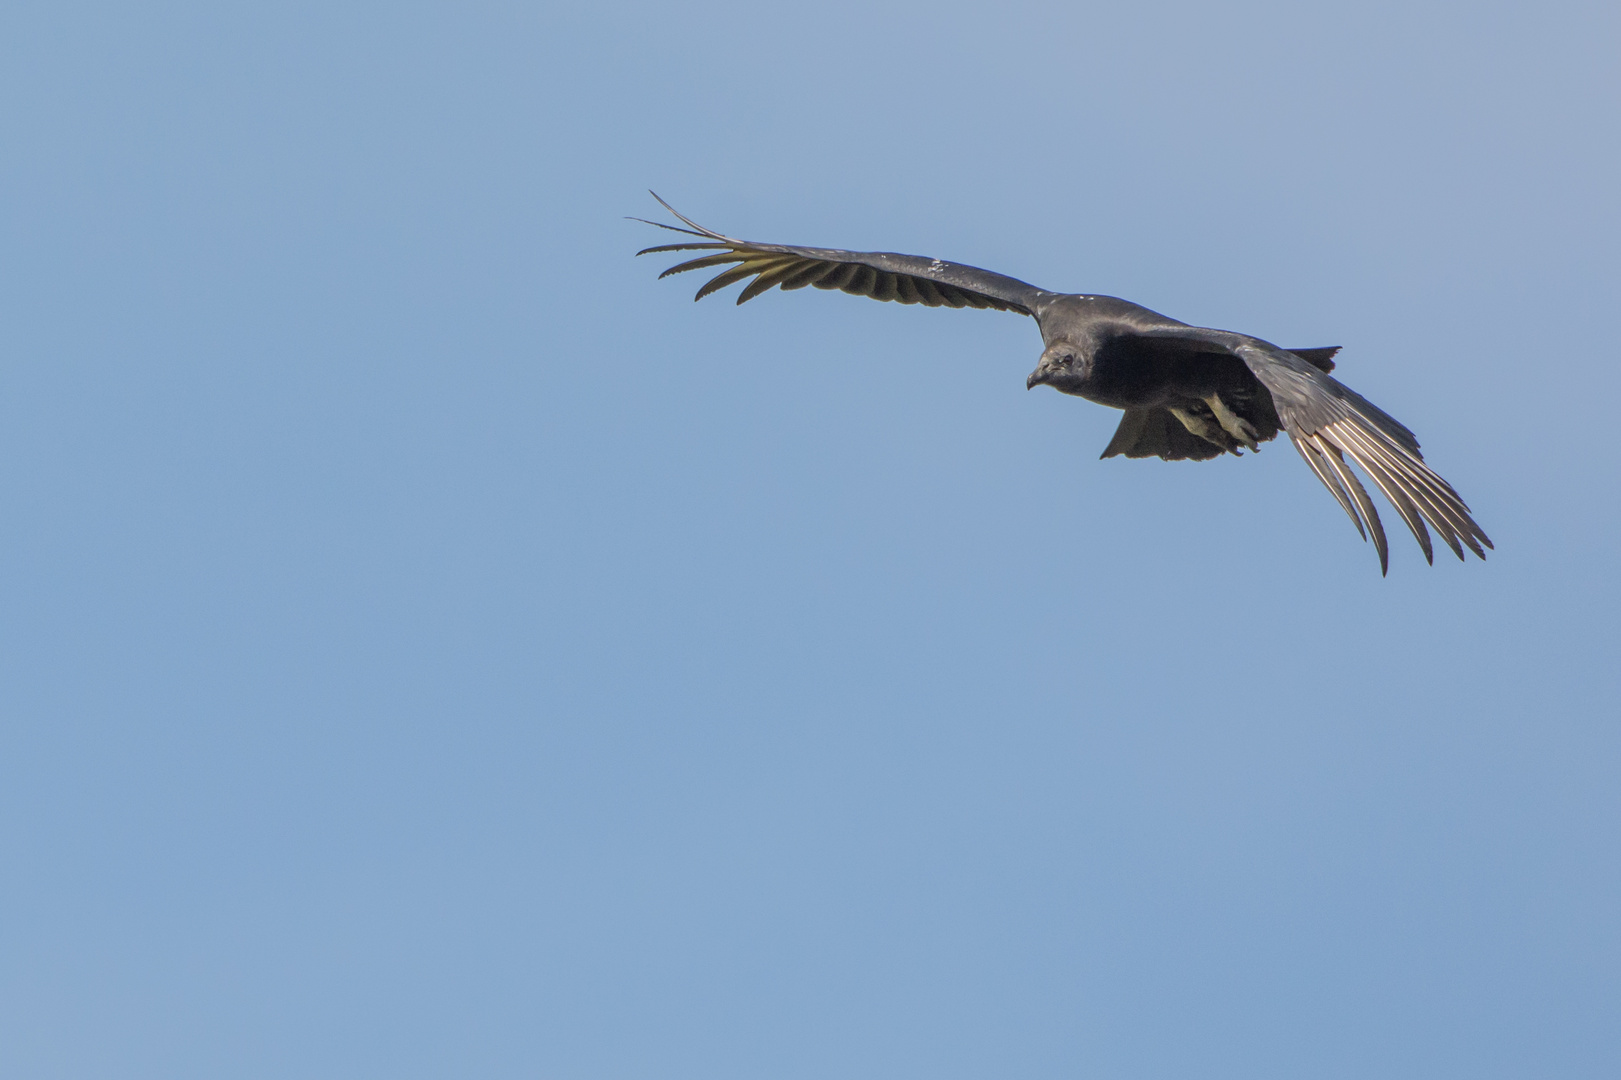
(1037, 377)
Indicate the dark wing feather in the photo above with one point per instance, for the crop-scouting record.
(1321, 359)
(882, 275)
(1156, 433)
(1329, 422)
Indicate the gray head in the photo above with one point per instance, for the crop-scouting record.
(1073, 327)
(1064, 367)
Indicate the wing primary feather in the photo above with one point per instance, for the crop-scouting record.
(839, 277)
(770, 278)
(1308, 454)
(658, 224)
(1365, 448)
(735, 274)
(701, 230)
(1336, 461)
(1404, 505)
(906, 289)
(1443, 494)
(679, 247)
(1444, 524)
(929, 292)
(1376, 419)
(806, 274)
(699, 264)
(1410, 459)
(884, 287)
(1450, 521)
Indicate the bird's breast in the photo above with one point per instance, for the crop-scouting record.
(1124, 383)
(1114, 396)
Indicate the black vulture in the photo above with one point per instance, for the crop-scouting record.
(1187, 392)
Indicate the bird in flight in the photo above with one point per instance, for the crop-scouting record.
(1187, 392)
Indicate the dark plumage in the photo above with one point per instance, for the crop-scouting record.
(1187, 392)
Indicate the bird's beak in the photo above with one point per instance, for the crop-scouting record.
(1037, 377)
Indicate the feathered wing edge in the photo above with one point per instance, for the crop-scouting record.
(1328, 423)
(906, 279)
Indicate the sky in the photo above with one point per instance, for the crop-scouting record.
(430, 645)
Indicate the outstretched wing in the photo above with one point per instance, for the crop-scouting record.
(1328, 422)
(882, 275)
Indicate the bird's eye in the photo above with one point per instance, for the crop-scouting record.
(1067, 359)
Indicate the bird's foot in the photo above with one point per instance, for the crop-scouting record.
(1233, 424)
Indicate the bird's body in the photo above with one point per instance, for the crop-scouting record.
(1182, 398)
(1187, 392)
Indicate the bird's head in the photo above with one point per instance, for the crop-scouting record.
(1063, 365)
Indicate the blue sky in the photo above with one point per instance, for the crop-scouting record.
(429, 645)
